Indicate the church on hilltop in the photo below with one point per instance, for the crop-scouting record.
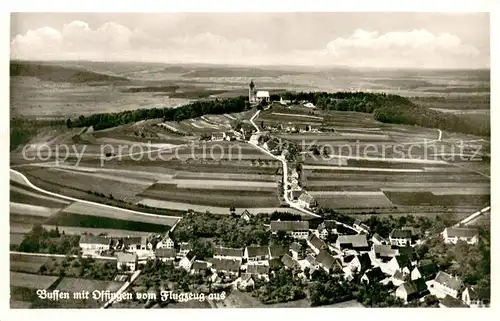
(257, 96)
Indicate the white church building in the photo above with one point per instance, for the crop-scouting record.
(257, 96)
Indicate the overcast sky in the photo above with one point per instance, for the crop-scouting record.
(427, 40)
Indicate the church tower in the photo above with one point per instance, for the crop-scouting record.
(251, 92)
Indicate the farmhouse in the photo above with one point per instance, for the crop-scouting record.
(296, 229)
(472, 297)
(316, 244)
(90, 243)
(132, 243)
(378, 240)
(384, 252)
(276, 251)
(373, 275)
(412, 290)
(445, 284)
(355, 242)
(400, 263)
(311, 263)
(325, 261)
(400, 237)
(361, 227)
(327, 227)
(227, 267)
(166, 242)
(451, 302)
(184, 249)
(147, 243)
(298, 253)
(187, 261)
(424, 270)
(126, 261)
(256, 253)
(246, 281)
(218, 136)
(289, 262)
(307, 201)
(359, 263)
(259, 271)
(228, 253)
(199, 267)
(452, 235)
(165, 254)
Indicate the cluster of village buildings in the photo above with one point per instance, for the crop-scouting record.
(326, 246)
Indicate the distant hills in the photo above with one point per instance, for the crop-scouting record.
(56, 73)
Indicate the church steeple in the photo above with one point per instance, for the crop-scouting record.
(251, 91)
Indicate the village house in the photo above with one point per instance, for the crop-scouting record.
(357, 263)
(426, 270)
(132, 243)
(316, 244)
(187, 261)
(361, 227)
(383, 253)
(472, 298)
(90, 243)
(228, 253)
(246, 281)
(326, 261)
(451, 235)
(445, 284)
(226, 267)
(245, 215)
(184, 248)
(276, 251)
(259, 271)
(218, 136)
(400, 237)
(295, 192)
(373, 275)
(199, 267)
(451, 302)
(126, 261)
(298, 252)
(354, 242)
(378, 240)
(326, 228)
(147, 243)
(289, 262)
(307, 201)
(166, 242)
(296, 229)
(400, 263)
(412, 290)
(311, 263)
(257, 254)
(399, 277)
(165, 254)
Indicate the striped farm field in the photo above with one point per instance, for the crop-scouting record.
(119, 190)
(396, 177)
(21, 195)
(314, 185)
(31, 281)
(20, 227)
(99, 222)
(354, 200)
(430, 199)
(316, 168)
(116, 213)
(224, 176)
(32, 210)
(75, 230)
(27, 263)
(212, 209)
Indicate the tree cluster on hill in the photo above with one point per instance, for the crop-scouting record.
(40, 240)
(80, 267)
(191, 110)
(325, 289)
(283, 286)
(227, 231)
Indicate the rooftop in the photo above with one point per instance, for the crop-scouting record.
(400, 234)
(450, 302)
(289, 226)
(289, 262)
(91, 239)
(317, 242)
(254, 251)
(460, 232)
(165, 253)
(356, 240)
(325, 259)
(448, 281)
(226, 251)
(226, 265)
(126, 257)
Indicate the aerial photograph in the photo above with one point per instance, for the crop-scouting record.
(249, 160)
